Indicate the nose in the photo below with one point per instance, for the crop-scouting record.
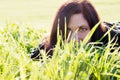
(75, 37)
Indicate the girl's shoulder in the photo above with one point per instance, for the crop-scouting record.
(115, 31)
(115, 24)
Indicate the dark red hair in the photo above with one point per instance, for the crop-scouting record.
(75, 7)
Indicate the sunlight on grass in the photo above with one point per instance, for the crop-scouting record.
(70, 60)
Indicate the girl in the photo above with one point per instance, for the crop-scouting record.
(79, 16)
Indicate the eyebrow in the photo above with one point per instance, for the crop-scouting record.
(79, 27)
(83, 26)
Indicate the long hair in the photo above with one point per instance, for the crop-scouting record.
(75, 7)
(62, 18)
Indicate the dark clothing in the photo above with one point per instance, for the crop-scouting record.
(36, 53)
(115, 32)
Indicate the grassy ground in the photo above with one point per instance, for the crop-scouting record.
(70, 61)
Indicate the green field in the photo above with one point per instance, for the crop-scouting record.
(42, 12)
(22, 26)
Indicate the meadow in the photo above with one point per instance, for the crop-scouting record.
(22, 26)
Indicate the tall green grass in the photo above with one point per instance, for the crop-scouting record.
(71, 61)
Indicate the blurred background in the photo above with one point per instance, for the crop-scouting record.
(42, 12)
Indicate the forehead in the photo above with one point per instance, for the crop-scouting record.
(77, 20)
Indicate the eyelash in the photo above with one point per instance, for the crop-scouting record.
(82, 29)
(79, 29)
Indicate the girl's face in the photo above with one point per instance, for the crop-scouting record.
(78, 27)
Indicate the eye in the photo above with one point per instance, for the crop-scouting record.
(82, 29)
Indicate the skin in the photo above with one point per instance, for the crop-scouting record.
(78, 27)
